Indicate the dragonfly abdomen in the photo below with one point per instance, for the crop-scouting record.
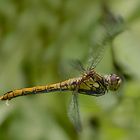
(22, 92)
(65, 85)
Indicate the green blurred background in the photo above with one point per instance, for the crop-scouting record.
(38, 39)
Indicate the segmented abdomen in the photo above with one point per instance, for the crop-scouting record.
(65, 85)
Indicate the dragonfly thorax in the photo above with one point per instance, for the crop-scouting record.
(113, 81)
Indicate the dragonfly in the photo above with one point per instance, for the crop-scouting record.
(90, 82)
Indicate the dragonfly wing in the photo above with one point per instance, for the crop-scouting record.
(95, 54)
(77, 65)
(73, 111)
(111, 25)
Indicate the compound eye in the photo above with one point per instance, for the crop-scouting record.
(113, 78)
(115, 81)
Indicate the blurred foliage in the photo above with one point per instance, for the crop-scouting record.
(38, 38)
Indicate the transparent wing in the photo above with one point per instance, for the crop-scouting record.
(77, 65)
(73, 111)
(95, 54)
(111, 25)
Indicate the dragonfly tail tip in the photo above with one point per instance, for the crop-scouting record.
(1, 97)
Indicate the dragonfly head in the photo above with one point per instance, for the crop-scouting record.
(113, 81)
